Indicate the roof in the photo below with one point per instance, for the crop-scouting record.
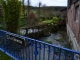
(63, 9)
(70, 2)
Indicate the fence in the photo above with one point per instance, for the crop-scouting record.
(24, 48)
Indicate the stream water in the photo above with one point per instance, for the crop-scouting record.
(51, 38)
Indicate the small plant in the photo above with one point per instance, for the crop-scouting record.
(50, 42)
(55, 20)
(60, 39)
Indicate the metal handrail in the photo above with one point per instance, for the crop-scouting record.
(33, 49)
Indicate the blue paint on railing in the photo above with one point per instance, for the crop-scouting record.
(31, 49)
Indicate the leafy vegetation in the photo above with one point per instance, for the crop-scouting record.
(4, 56)
(55, 20)
(60, 39)
(50, 42)
(42, 18)
(12, 13)
(47, 21)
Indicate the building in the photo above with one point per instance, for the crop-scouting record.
(63, 13)
(73, 23)
(63, 16)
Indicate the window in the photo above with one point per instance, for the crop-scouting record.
(76, 13)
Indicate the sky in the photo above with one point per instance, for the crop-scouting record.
(48, 2)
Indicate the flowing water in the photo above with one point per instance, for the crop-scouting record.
(51, 38)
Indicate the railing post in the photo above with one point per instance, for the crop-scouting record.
(48, 52)
(59, 53)
(35, 52)
(39, 51)
(44, 53)
(3, 39)
(53, 53)
(28, 49)
(72, 58)
(65, 55)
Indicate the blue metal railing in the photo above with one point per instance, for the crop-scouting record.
(24, 48)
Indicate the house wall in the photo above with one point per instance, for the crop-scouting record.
(73, 27)
(73, 39)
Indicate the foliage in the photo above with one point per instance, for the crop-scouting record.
(1, 22)
(60, 39)
(22, 22)
(12, 12)
(47, 21)
(31, 15)
(31, 19)
(50, 42)
(42, 18)
(55, 20)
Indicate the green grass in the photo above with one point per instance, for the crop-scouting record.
(47, 21)
(4, 56)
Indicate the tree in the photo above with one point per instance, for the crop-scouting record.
(28, 7)
(39, 9)
(12, 13)
(32, 19)
(23, 7)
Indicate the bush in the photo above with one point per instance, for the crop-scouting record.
(55, 20)
(42, 17)
(12, 14)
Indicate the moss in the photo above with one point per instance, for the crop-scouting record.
(60, 39)
(50, 42)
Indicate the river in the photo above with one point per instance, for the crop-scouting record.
(51, 38)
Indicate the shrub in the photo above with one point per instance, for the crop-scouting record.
(55, 20)
(12, 13)
(42, 17)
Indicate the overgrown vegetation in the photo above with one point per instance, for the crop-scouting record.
(47, 21)
(50, 42)
(12, 13)
(55, 20)
(60, 39)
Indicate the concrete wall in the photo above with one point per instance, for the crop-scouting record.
(73, 27)
(73, 38)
